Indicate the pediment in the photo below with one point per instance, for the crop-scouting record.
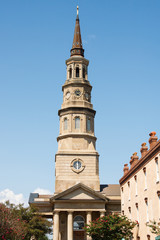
(79, 192)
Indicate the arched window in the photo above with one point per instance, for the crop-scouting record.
(65, 124)
(77, 71)
(77, 123)
(88, 124)
(78, 223)
(84, 72)
(70, 72)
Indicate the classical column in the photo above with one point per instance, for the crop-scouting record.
(102, 214)
(56, 226)
(88, 220)
(70, 226)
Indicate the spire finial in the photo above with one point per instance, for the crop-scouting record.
(77, 10)
(77, 48)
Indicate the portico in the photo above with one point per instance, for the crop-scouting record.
(75, 208)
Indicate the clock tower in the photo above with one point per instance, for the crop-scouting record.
(77, 160)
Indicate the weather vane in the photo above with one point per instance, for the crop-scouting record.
(77, 10)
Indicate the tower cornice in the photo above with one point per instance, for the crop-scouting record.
(72, 153)
(77, 82)
(74, 59)
(80, 135)
(76, 109)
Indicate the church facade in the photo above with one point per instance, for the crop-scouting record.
(79, 198)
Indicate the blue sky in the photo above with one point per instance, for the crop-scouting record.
(122, 41)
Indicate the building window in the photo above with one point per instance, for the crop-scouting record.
(84, 72)
(137, 209)
(122, 193)
(88, 124)
(147, 213)
(148, 237)
(77, 71)
(77, 123)
(78, 223)
(145, 178)
(157, 169)
(70, 73)
(158, 193)
(129, 209)
(129, 191)
(65, 124)
(136, 187)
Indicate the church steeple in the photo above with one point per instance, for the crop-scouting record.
(77, 48)
(77, 160)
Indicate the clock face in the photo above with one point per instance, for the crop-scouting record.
(68, 94)
(77, 92)
(77, 164)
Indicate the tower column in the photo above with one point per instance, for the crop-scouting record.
(88, 220)
(70, 226)
(81, 71)
(56, 226)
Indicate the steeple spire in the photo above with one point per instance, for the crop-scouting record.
(77, 48)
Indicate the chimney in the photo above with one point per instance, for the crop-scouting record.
(153, 139)
(134, 159)
(125, 169)
(144, 149)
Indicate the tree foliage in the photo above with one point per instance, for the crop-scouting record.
(11, 225)
(110, 227)
(154, 227)
(18, 222)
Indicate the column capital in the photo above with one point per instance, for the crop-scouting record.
(70, 212)
(102, 213)
(56, 212)
(89, 212)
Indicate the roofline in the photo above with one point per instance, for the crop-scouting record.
(150, 153)
(79, 200)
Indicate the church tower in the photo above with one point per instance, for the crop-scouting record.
(77, 160)
(78, 198)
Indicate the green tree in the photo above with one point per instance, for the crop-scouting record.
(110, 227)
(31, 223)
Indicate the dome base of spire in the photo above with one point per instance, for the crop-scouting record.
(77, 51)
